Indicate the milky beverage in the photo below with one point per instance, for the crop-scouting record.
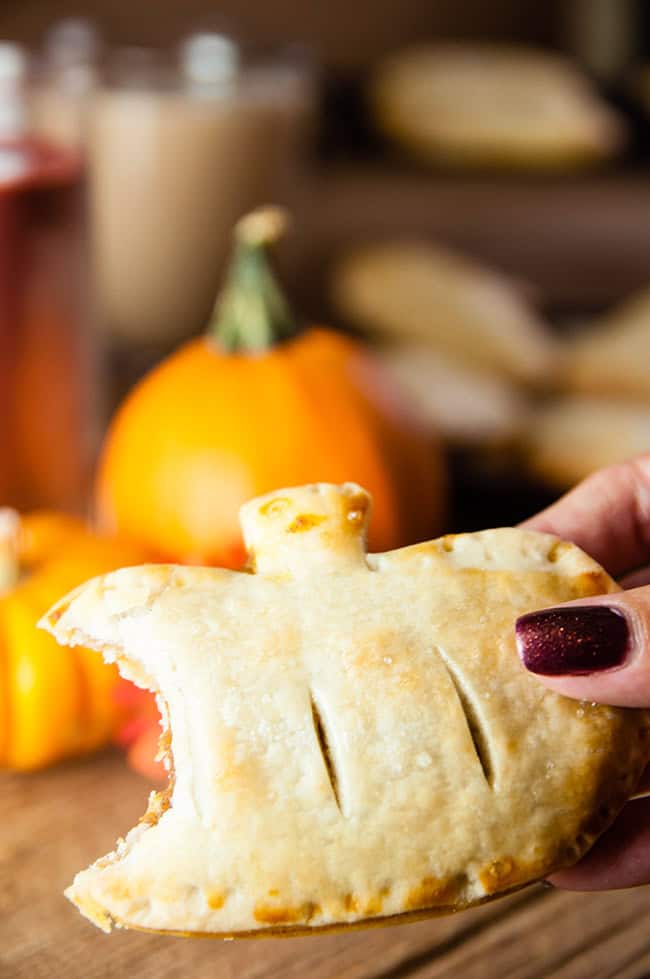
(171, 172)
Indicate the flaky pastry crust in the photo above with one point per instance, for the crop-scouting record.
(354, 739)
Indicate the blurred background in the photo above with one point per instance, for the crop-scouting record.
(470, 197)
(468, 185)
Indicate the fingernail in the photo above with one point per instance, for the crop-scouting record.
(572, 641)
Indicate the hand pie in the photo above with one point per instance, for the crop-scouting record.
(422, 292)
(572, 437)
(467, 407)
(613, 357)
(483, 105)
(353, 737)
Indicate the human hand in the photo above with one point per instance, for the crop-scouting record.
(598, 649)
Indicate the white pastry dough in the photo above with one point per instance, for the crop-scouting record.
(422, 292)
(612, 358)
(467, 407)
(353, 736)
(572, 437)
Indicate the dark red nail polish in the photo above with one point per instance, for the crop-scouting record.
(572, 641)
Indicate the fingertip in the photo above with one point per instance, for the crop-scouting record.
(596, 649)
(619, 858)
(573, 640)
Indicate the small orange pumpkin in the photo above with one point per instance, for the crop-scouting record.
(54, 702)
(255, 405)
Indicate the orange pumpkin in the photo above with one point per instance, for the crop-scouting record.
(254, 405)
(54, 702)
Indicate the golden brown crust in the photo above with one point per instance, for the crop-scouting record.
(302, 931)
(353, 735)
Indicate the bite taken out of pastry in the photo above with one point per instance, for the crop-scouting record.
(351, 737)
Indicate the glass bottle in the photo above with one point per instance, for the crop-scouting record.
(45, 384)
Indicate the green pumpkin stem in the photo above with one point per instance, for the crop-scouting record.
(252, 313)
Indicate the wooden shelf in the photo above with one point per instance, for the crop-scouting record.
(581, 241)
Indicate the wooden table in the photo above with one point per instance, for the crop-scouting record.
(56, 822)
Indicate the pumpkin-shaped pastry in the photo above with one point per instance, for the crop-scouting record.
(491, 105)
(470, 408)
(566, 439)
(54, 703)
(421, 292)
(353, 737)
(610, 358)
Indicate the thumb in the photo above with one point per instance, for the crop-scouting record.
(595, 649)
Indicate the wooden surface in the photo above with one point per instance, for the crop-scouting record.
(56, 822)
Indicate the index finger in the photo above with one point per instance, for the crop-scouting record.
(607, 515)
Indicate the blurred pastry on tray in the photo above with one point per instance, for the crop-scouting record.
(569, 438)
(426, 293)
(329, 770)
(612, 357)
(468, 407)
(484, 105)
